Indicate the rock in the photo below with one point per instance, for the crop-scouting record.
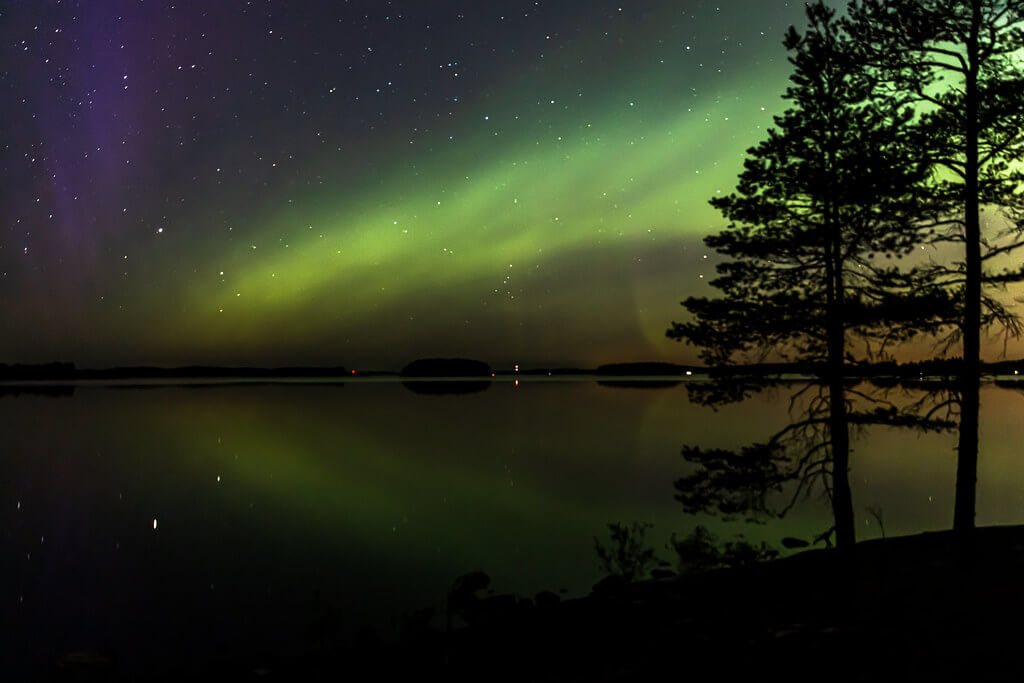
(614, 584)
(496, 609)
(468, 585)
(547, 599)
(86, 665)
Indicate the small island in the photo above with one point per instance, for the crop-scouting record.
(460, 376)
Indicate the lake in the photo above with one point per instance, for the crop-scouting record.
(181, 524)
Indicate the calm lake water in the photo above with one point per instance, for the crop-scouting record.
(182, 523)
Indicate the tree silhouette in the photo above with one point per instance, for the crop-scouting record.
(627, 555)
(821, 206)
(960, 62)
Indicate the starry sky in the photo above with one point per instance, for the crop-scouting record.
(364, 182)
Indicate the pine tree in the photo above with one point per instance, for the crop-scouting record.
(960, 62)
(820, 205)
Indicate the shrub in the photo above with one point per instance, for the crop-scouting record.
(627, 555)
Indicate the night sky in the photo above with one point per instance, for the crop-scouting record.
(362, 183)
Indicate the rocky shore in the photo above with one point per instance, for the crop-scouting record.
(927, 607)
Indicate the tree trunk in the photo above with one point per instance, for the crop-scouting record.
(838, 427)
(842, 497)
(967, 449)
(839, 435)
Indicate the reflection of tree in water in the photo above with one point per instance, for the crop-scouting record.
(767, 478)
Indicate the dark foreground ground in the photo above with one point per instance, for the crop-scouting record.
(924, 607)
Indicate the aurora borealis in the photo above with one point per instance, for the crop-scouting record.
(362, 183)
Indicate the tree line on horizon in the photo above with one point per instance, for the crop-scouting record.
(856, 226)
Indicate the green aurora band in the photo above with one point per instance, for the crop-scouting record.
(518, 241)
(547, 207)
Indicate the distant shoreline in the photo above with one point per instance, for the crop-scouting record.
(642, 381)
(67, 373)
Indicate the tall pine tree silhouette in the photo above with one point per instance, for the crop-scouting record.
(960, 62)
(821, 206)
